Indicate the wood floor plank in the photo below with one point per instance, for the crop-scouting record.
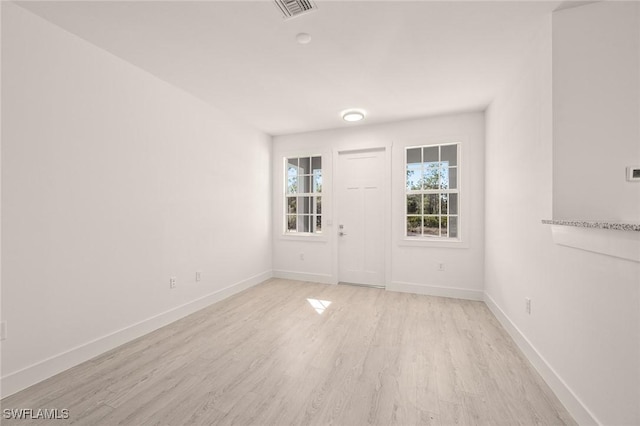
(269, 356)
(452, 414)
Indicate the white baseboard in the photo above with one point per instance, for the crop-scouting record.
(21, 379)
(304, 276)
(572, 403)
(432, 290)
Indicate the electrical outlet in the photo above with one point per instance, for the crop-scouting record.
(198, 276)
(527, 305)
(172, 282)
(440, 266)
(3, 330)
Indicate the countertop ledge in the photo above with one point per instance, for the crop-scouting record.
(618, 226)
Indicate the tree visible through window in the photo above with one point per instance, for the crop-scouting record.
(303, 201)
(432, 192)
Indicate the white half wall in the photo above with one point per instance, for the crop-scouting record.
(112, 182)
(596, 111)
(583, 333)
(412, 267)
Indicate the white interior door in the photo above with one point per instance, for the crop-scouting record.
(361, 217)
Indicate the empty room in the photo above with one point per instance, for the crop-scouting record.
(296, 212)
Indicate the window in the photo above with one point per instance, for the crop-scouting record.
(432, 193)
(303, 201)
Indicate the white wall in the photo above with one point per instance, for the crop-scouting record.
(113, 181)
(596, 111)
(413, 268)
(583, 333)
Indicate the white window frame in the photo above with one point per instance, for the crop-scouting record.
(436, 240)
(314, 195)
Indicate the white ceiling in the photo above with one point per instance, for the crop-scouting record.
(396, 60)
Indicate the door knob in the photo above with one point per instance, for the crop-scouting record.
(342, 234)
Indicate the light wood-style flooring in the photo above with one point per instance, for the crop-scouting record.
(267, 357)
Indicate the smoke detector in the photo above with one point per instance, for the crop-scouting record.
(292, 8)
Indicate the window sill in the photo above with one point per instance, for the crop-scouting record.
(423, 242)
(308, 238)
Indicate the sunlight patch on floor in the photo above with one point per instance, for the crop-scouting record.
(319, 305)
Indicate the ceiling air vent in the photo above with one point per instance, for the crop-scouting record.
(292, 8)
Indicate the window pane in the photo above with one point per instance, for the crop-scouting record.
(303, 205)
(317, 181)
(303, 223)
(291, 223)
(304, 184)
(432, 176)
(443, 226)
(414, 156)
(432, 226)
(431, 204)
(414, 225)
(292, 171)
(431, 154)
(444, 203)
(453, 203)
(292, 184)
(292, 164)
(303, 176)
(453, 226)
(291, 205)
(444, 176)
(453, 177)
(414, 177)
(414, 204)
(450, 155)
(305, 166)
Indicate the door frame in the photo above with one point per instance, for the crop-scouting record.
(387, 199)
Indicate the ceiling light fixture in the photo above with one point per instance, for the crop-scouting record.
(353, 115)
